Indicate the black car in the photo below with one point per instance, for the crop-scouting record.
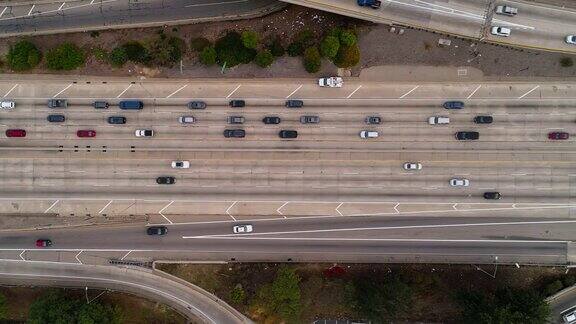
(288, 134)
(492, 195)
(237, 103)
(57, 103)
(294, 103)
(464, 136)
(373, 120)
(453, 105)
(157, 230)
(196, 105)
(483, 119)
(165, 180)
(238, 133)
(271, 120)
(56, 118)
(116, 120)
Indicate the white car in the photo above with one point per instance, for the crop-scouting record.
(412, 166)
(506, 10)
(500, 31)
(7, 104)
(241, 229)
(569, 316)
(438, 120)
(180, 164)
(186, 120)
(456, 182)
(331, 82)
(368, 134)
(144, 133)
(570, 39)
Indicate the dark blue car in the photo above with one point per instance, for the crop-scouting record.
(453, 105)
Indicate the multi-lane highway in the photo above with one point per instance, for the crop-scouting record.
(327, 173)
(538, 26)
(50, 17)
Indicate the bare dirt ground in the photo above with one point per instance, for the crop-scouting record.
(136, 310)
(433, 285)
(379, 47)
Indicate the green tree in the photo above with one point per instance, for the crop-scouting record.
(238, 295)
(208, 56)
(312, 60)
(347, 57)
(329, 47)
(95, 313)
(118, 57)
(276, 47)
(553, 287)
(295, 49)
(165, 50)
(347, 38)
(136, 52)
(66, 56)
(281, 298)
(199, 43)
(23, 56)
(381, 301)
(231, 51)
(264, 58)
(250, 39)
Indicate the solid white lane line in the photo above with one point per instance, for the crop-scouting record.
(293, 92)
(121, 93)
(54, 204)
(3, 11)
(528, 92)
(231, 93)
(62, 5)
(175, 92)
(215, 3)
(392, 228)
(473, 92)
(32, 8)
(108, 204)
(409, 92)
(228, 210)
(464, 210)
(56, 95)
(353, 92)
(77, 255)
(11, 89)
(125, 255)
(168, 205)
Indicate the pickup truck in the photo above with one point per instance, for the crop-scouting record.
(331, 82)
(57, 103)
(505, 10)
(374, 4)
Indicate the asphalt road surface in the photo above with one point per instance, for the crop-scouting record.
(305, 186)
(535, 26)
(81, 15)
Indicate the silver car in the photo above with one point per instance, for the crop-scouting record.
(457, 182)
(309, 119)
(412, 166)
(186, 120)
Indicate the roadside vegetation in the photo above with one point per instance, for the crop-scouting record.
(336, 46)
(381, 293)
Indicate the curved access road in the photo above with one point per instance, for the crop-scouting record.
(38, 17)
(189, 300)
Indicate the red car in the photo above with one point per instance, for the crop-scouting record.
(43, 243)
(558, 135)
(86, 133)
(15, 133)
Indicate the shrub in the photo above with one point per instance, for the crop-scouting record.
(348, 56)
(264, 58)
(249, 39)
(569, 281)
(553, 287)
(208, 56)
(165, 51)
(347, 38)
(100, 54)
(199, 43)
(295, 49)
(306, 38)
(276, 47)
(94, 33)
(566, 62)
(329, 47)
(66, 56)
(118, 57)
(312, 60)
(231, 51)
(23, 56)
(238, 295)
(136, 52)
(381, 301)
